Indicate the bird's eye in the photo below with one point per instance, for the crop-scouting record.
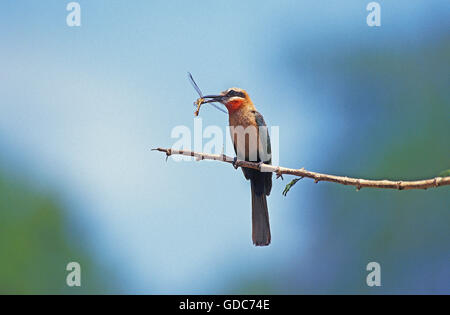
(233, 93)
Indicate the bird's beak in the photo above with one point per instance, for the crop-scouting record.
(213, 98)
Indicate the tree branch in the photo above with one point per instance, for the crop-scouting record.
(358, 182)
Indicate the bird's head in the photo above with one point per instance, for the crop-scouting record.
(233, 98)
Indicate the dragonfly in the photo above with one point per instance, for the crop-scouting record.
(201, 100)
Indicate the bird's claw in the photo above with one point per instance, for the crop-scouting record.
(260, 164)
(234, 163)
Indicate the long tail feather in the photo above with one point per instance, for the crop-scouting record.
(260, 219)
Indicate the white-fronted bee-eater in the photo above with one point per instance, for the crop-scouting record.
(251, 143)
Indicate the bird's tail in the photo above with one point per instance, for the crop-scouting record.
(260, 219)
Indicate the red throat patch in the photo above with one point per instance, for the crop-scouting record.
(234, 105)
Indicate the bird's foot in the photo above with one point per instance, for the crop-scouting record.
(234, 163)
(260, 164)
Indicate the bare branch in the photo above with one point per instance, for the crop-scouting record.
(358, 182)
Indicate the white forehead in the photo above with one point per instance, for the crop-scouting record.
(235, 89)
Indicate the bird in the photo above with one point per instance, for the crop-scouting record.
(251, 143)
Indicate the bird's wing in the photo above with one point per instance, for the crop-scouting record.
(263, 138)
(265, 149)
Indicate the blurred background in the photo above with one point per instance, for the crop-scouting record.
(81, 107)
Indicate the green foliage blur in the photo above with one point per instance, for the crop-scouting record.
(35, 245)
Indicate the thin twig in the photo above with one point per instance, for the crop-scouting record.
(344, 180)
